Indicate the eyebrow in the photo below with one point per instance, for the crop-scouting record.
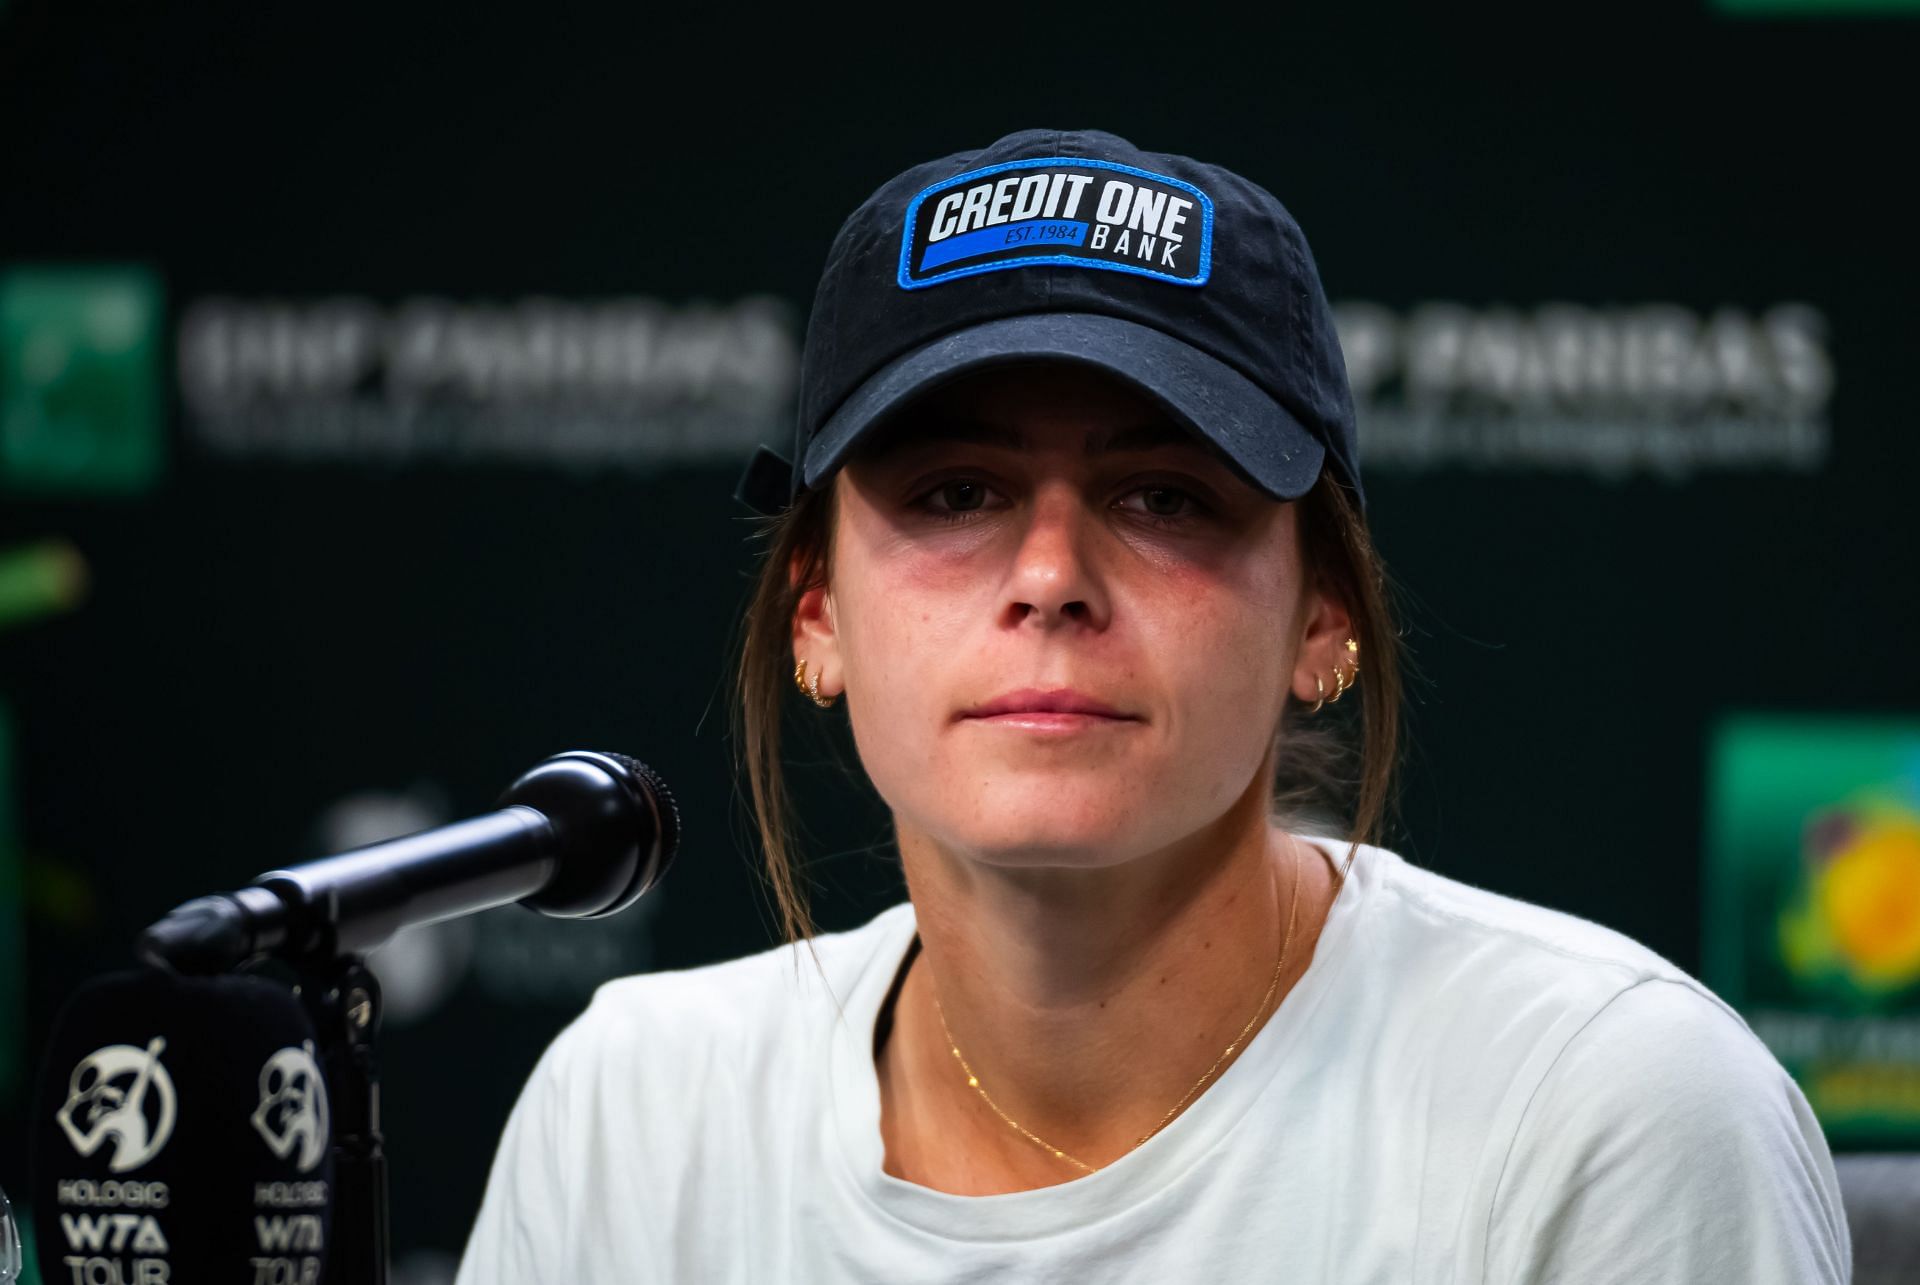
(981, 433)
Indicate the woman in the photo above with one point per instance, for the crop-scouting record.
(1075, 526)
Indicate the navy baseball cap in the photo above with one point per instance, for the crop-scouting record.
(1180, 278)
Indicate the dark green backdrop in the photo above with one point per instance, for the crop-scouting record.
(265, 636)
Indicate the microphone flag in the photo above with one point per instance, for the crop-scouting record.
(181, 1133)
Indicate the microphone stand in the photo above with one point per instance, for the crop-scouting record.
(343, 998)
(612, 806)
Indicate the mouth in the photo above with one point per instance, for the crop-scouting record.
(1060, 706)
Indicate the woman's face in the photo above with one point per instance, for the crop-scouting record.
(1044, 530)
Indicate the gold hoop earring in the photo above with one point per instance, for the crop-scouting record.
(810, 687)
(1321, 689)
(1339, 685)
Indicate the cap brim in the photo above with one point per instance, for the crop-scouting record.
(1203, 393)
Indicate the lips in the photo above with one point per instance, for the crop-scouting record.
(1033, 700)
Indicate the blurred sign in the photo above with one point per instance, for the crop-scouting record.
(579, 384)
(1605, 391)
(1813, 909)
(81, 402)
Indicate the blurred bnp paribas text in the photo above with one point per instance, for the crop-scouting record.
(625, 383)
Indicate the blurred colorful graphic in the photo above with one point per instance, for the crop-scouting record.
(1813, 909)
(40, 579)
(1858, 925)
(81, 401)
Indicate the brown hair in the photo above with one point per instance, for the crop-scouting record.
(1335, 771)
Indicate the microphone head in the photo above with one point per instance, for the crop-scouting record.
(618, 829)
(181, 1133)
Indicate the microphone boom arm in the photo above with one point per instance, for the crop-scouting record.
(366, 895)
(580, 836)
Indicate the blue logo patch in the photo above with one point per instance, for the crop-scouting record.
(1059, 210)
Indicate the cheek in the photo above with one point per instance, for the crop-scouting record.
(904, 637)
(903, 612)
(1221, 649)
(913, 604)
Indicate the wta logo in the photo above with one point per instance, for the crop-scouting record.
(292, 1115)
(120, 1094)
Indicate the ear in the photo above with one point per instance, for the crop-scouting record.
(1326, 626)
(815, 639)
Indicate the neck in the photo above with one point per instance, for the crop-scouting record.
(1087, 1001)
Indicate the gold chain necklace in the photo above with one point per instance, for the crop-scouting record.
(973, 1080)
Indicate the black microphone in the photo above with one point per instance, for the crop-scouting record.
(181, 1133)
(580, 836)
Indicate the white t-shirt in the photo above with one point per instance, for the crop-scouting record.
(1461, 1088)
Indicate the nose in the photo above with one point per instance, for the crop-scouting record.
(1054, 578)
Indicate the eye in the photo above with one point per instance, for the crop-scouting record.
(1167, 505)
(963, 499)
(963, 495)
(956, 500)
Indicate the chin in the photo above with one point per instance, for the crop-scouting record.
(1047, 832)
(1043, 857)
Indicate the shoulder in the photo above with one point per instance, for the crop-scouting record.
(626, 1096)
(1572, 1002)
(638, 1073)
(724, 1012)
(1635, 1127)
(1665, 1068)
(1494, 993)
(1537, 972)
(1664, 1133)
(1537, 934)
